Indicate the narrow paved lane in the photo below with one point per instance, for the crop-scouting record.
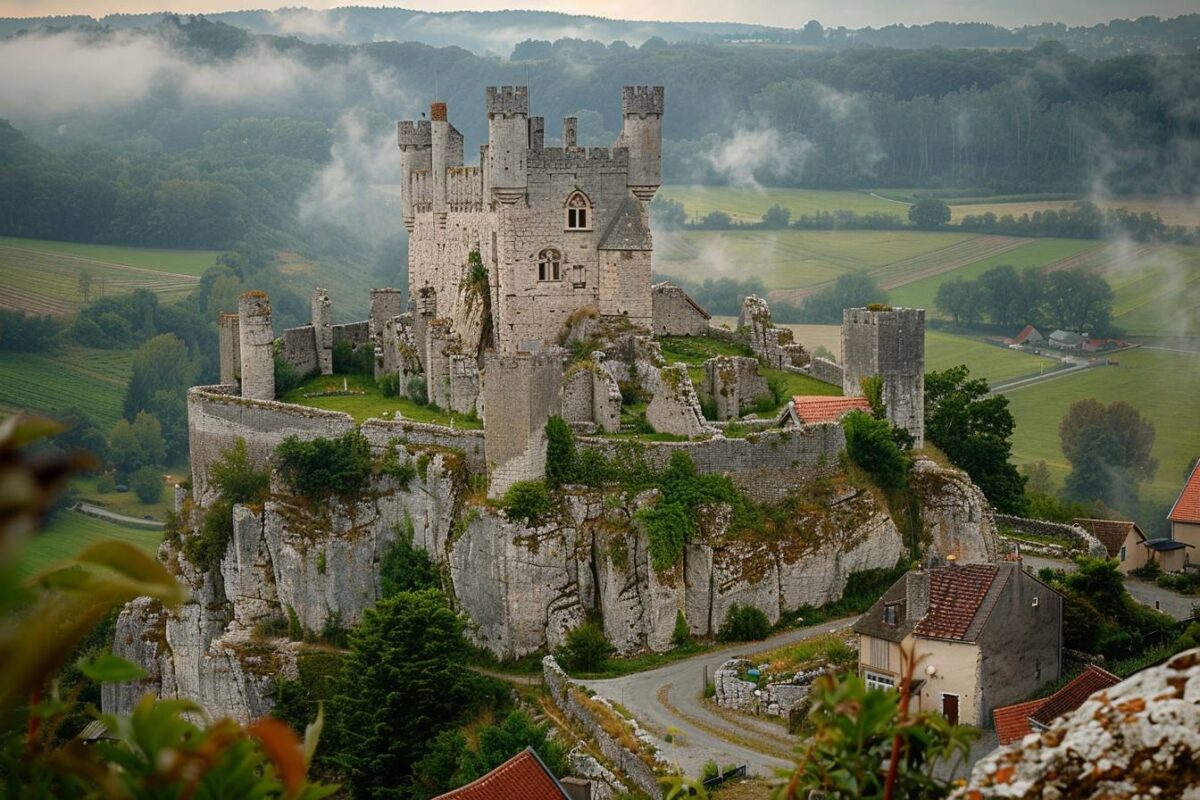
(1148, 594)
(670, 699)
(103, 513)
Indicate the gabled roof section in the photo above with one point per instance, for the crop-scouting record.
(956, 595)
(1026, 333)
(1112, 533)
(522, 777)
(813, 409)
(1187, 505)
(628, 230)
(1016, 721)
(1070, 697)
(872, 624)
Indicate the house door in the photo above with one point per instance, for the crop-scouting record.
(950, 708)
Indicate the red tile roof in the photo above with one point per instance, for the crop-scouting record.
(955, 594)
(1012, 722)
(1071, 696)
(1111, 532)
(1025, 333)
(811, 409)
(1015, 721)
(1187, 507)
(522, 777)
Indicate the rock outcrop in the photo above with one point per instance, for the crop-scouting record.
(1138, 739)
(958, 520)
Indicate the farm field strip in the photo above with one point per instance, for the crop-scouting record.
(92, 380)
(908, 270)
(1103, 257)
(749, 204)
(174, 262)
(70, 532)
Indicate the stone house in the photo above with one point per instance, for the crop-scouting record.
(1185, 513)
(1123, 540)
(984, 635)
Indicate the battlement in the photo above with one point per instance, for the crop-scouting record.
(414, 134)
(572, 158)
(464, 188)
(642, 101)
(507, 101)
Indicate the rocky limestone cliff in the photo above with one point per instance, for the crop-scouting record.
(522, 587)
(1138, 739)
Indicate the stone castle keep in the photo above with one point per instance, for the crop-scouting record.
(530, 298)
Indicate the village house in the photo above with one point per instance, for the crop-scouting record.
(1017, 721)
(1029, 335)
(1066, 340)
(523, 777)
(1123, 540)
(813, 409)
(1185, 514)
(984, 636)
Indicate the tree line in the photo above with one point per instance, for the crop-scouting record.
(1064, 299)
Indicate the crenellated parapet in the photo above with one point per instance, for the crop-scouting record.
(506, 101)
(410, 134)
(642, 101)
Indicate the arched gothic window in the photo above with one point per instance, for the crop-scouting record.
(549, 265)
(579, 212)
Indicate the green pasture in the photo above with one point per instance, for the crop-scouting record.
(749, 204)
(180, 262)
(70, 532)
(369, 402)
(1157, 294)
(995, 363)
(79, 377)
(789, 259)
(1163, 385)
(1034, 253)
(44, 277)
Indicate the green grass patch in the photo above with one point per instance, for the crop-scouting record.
(70, 532)
(746, 205)
(92, 380)
(42, 277)
(368, 401)
(1162, 385)
(995, 363)
(1038, 253)
(695, 350)
(789, 259)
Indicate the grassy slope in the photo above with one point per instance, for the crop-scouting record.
(70, 532)
(748, 205)
(371, 403)
(788, 259)
(1159, 294)
(180, 262)
(997, 364)
(1039, 253)
(1162, 385)
(93, 380)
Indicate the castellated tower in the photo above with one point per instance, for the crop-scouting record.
(889, 343)
(558, 229)
(257, 343)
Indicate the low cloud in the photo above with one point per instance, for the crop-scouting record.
(749, 155)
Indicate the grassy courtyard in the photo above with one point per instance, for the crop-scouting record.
(364, 400)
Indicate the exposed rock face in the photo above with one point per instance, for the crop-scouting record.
(958, 518)
(523, 587)
(1138, 739)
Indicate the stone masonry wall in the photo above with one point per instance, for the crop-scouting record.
(521, 392)
(1041, 527)
(676, 314)
(826, 371)
(891, 344)
(300, 349)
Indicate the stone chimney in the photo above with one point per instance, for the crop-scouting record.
(917, 595)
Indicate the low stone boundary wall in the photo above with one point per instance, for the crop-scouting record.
(776, 699)
(1041, 527)
(629, 763)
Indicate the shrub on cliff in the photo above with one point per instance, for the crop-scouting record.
(322, 467)
(587, 648)
(560, 453)
(236, 478)
(527, 501)
(403, 567)
(870, 444)
(744, 624)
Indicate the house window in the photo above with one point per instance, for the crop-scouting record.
(549, 265)
(876, 681)
(579, 212)
(880, 652)
(1122, 552)
(891, 613)
(578, 277)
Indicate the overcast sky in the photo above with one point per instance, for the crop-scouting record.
(853, 13)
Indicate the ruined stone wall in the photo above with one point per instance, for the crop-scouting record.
(356, 333)
(733, 383)
(891, 344)
(1042, 527)
(216, 419)
(765, 465)
(386, 303)
(322, 323)
(256, 346)
(229, 348)
(826, 371)
(675, 408)
(520, 392)
(676, 314)
(299, 349)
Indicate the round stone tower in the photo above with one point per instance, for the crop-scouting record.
(256, 337)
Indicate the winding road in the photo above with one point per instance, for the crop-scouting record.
(670, 700)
